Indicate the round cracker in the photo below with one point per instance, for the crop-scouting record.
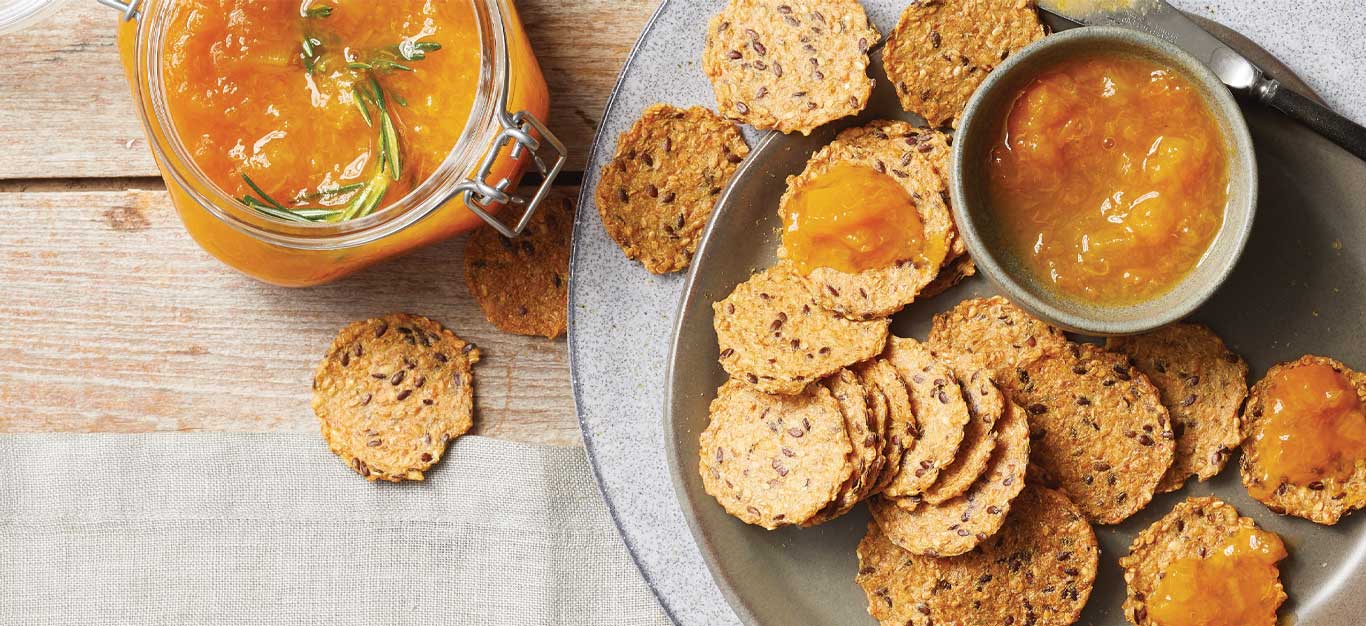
(865, 439)
(986, 407)
(392, 392)
(1098, 426)
(940, 412)
(1194, 529)
(1324, 501)
(941, 50)
(1039, 569)
(1203, 386)
(774, 460)
(902, 431)
(789, 66)
(911, 156)
(658, 192)
(957, 525)
(993, 333)
(775, 336)
(522, 284)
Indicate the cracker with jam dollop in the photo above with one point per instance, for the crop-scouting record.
(774, 460)
(1038, 569)
(955, 526)
(392, 392)
(993, 333)
(941, 50)
(1195, 529)
(659, 189)
(775, 336)
(789, 66)
(1323, 501)
(911, 157)
(1203, 386)
(1098, 426)
(522, 284)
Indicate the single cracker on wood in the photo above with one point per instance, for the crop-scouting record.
(1324, 501)
(522, 284)
(392, 392)
(659, 189)
(1038, 569)
(774, 460)
(1195, 528)
(957, 525)
(1203, 385)
(911, 156)
(775, 336)
(1098, 426)
(789, 66)
(941, 50)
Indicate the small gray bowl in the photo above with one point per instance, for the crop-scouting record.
(978, 128)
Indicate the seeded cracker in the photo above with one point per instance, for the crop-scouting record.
(789, 66)
(659, 190)
(1326, 501)
(1203, 386)
(865, 439)
(911, 156)
(992, 332)
(522, 284)
(774, 460)
(940, 411)
(941, 50)
(392, 392)
(1039, 569)
(986, 406)
(1194, 528)
(1097, 426)
(890, 402)
(774, 336)
(957, 525)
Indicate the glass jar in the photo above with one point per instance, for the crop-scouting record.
(476, 181)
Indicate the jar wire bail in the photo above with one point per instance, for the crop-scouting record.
(129, 9)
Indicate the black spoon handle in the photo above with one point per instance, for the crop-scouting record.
(1322, 120)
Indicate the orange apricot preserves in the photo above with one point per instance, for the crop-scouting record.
(1110, 179)
(851, 218)
(325, 110)
(1236, 585)
(1313, 428)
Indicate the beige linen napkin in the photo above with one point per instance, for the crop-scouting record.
(266, 529)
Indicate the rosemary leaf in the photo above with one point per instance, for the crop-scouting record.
(318, 12)
(358, 65)
(260, 192)
(359, 97)
(390, 135)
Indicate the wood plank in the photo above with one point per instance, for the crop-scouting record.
(68, 112)
(112, 319)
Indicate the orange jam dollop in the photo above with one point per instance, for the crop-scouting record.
(1110, 178)
(1313, 427)
(1233, 586)
(325, 109)
(852, 218)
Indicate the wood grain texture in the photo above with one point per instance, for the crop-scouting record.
(67, 112)
(112, 319)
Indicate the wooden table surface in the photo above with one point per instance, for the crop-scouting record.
(113, 320)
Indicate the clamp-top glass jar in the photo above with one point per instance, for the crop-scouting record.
(357, 210)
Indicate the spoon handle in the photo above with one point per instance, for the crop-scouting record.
(1322, 120)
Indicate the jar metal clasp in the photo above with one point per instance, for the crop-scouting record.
(129, 9)
(528, 136)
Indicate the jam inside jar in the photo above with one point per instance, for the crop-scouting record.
(302, 142)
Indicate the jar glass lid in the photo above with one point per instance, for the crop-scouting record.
(15, 14)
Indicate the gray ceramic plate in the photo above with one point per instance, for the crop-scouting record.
(1298, 290)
